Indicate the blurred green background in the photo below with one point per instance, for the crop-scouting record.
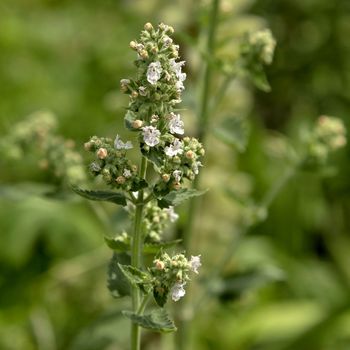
(287, 284)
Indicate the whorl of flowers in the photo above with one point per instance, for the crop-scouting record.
(37, 135)
(172, 273)
(259, 46)
(328, 136)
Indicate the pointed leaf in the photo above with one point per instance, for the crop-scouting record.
(116, 281)
(108, 196)
(160, 294)
(137, 277)
(174, 198)
(233, 131)
(158, 320)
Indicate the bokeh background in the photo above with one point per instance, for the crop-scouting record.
(287, 284)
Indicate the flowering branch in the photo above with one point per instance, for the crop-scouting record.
(174, 158)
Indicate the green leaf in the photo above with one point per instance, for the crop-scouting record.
(154, 155)
(233, 131)
(119, 245)
(139, 184)
(108, 196)
(152, 248)
(258, 77)
(174, 198)
(116, 281)
(160, 294)
(137, 277)
(158, 320)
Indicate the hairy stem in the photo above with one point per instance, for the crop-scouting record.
(136, 257)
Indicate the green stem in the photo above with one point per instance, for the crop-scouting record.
(136, 258)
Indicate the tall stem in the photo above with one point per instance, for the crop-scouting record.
(136, 254)
(181, 337)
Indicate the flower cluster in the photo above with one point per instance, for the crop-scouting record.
(112, 164)
(328, 135)
(37, 135)
(153, 95)
(259, 46)
(155, 220)
(172, 273)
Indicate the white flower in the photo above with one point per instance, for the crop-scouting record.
(154, 72)
(95, 167)
(177, 291)
(119, 144)
(150, 135)
(176, 125)
(177, 175)
(176, 67)
(195, 167)
(171, 213)
(127, 173)
(174, 149)
(195, 263)
(142, 91)
(167, 41)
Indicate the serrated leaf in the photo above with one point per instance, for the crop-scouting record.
(137, 277)
(233, 131)
(116, 281)
(96, 195)
(175, 198)
(153, 248)
(158, 320)
(160, 294)
(118, 244)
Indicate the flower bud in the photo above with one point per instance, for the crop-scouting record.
(189, 154)
(176, 185)
(148, 26)
(134, 94)
(102, 153)
(120, 180)
(166, 177)
(87, 146)
(134, 168)
(133, 45)
(159, 264)
(136, 124)
(143, 54)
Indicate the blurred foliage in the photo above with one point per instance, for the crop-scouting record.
(287, 282)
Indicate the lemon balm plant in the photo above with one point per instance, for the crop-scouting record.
(150, 190)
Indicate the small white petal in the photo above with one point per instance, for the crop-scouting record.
(154, 72)
(151, 135)
(176, 125)
(177, 291)
(195, 263)
(119, 144)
